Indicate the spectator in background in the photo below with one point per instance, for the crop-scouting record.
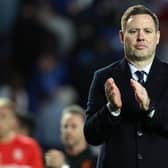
(77, 153)
(62, 28)
(49, 93)
(14, 89)
(29, 37)
(70, 7)
(16, 150)
(49, 75)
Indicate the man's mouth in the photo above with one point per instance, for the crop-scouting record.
(140, 46)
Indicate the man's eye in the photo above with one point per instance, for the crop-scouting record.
(148, 31)
(132, 31)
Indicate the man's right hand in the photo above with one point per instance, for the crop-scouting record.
(54, 158)
(113, 94)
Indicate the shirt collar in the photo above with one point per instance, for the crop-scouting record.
(133, 69)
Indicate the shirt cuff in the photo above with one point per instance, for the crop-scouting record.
(113, 112)
(151, 110)
(151, 114)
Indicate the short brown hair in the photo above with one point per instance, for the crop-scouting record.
(7, 103)
(74, 109)
(135, 10)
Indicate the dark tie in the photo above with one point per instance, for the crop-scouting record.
(140, 75)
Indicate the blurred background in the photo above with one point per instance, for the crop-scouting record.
(49, 50)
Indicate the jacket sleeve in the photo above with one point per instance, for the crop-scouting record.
(159, 122)
(99, 121)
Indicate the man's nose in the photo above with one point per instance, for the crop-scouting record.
(140, 36)
(69, 129)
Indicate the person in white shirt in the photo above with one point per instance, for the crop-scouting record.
(127, 108)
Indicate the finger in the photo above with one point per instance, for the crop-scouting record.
(134, 83)
(139, 91)
(110, 80)
(110, 84)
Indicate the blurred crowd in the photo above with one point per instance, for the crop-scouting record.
(49, 50)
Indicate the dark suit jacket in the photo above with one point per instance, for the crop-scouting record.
(132, 140)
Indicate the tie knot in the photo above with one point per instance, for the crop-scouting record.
(140, 75)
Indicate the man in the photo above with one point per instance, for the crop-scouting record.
(128, 113)
(16, 151)
(77, 153)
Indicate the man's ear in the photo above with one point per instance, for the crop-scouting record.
(158, 37)
(121, 34)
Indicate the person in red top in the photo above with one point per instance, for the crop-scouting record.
(16, 150)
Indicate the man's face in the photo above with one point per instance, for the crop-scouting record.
(140, 38)
(7, 121)
(72, 129)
